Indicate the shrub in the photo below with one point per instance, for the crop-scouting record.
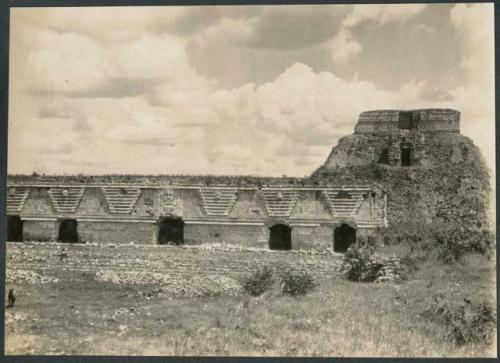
(367, 242)
(410, 263)
(464, 323)
(454, 242)
(297, 283)
(259, 281)
(451, 241)
(358, 265)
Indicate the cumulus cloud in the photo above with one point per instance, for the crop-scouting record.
(345, 46)
(382, 14)
(134, 101)
(474, 26)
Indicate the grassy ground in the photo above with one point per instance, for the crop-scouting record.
(340, 318)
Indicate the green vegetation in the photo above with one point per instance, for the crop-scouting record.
(297, 283)
(259, 281)
(79, 315)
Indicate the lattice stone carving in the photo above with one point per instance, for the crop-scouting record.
(66, 200)
(364, 212)
(218, 201)
(16, 196)
(343, 203)
(279, 202)
(121, 199)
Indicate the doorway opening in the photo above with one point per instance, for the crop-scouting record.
(68, 231)
(14, 229)
(343, 237)
(405, 121)
(171, 231)
(280, 237)
(384, 157)
(406, 152)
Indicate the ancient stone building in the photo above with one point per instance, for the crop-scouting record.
(429, 171)
(159, 212)
(398, 167)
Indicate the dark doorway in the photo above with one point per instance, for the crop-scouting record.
(68, 231)
(280, 237)
(384, 157)
(14, 229)
(171, 231)
(405, 121)
(405, 155)
(343, 237)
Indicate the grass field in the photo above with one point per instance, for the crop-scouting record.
(77, 315)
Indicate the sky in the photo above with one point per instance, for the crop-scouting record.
(246, 90)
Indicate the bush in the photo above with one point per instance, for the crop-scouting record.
(369, 242)
(410, 263)
(451, 241)
(297, 283)
(358, 265)
(465, 323)
(259, 282)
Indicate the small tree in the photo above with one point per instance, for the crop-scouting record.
(297, 283)
(259, 281)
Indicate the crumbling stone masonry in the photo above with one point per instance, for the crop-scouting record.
(429, 171)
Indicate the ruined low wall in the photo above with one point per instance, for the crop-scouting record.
(174, 262)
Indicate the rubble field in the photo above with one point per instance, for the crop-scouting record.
(88, 299)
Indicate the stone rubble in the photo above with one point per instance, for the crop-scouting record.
(20, 277)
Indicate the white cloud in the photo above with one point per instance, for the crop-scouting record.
(345, 46)
(425, 28)
(64, 61)
(382, 14)
(150, 56)
(188, 123)
(474, 25)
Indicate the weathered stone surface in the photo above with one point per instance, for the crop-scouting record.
(447, 180)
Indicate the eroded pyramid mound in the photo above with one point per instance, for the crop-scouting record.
(430, 172)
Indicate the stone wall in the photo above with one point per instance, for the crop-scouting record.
(130, 213)
(312, 237)
(172, 261)
(304, 236)
(117, 232)
(246, 235)
(448, 181)
(422, 120)
(40, 230)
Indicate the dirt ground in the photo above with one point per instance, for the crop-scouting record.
(69, 311)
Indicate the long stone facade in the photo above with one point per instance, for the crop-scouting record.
(277, 217)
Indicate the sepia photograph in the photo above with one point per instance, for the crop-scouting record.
(251, 180)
